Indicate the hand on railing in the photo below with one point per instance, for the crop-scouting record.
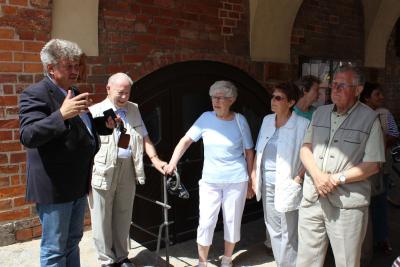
(169, 169)
(175, 187)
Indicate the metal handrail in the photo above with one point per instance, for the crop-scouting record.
(165, 224)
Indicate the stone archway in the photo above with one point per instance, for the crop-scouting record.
(380, 18)
(271, 24)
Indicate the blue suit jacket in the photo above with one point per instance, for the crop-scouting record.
(59, 153)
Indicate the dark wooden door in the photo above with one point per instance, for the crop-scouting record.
(170, 100)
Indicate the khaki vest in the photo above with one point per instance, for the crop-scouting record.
(106, 158)
(346, 150)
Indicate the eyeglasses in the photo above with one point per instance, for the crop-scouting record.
(69, 66)
(341, 86)
(278, 97)
(219, 98)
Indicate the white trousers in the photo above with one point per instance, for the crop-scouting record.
(232, 197)
(111, 213)
(282, 228)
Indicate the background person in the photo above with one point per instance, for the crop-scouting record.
(115, 173)
(309, 86)
(228, 158)
(378, 234)
(61, 140)
(277, 172)
(342, 147)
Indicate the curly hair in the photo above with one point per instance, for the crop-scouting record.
(57, 49)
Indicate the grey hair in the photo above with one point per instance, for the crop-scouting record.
(358, 75)
(119, 75)
(57, 49)
(227, 87)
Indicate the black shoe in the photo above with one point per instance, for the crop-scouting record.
(269, 251)
(126, 263)
(110, 265)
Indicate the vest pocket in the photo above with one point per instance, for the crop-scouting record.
(355, 141)
(101, 156)
(351, 137)
(102, 178)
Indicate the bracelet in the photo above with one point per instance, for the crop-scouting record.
(154, 156)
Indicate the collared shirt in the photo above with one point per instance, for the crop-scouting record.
(305, 114)
(392, 126)
(268, 161)
(84, 116)
(122, 112)
(373, 150)
(123, 152)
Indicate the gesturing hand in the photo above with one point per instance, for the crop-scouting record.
(73, 106)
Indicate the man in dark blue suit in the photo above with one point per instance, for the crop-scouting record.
(61, 139)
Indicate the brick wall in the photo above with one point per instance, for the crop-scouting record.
(390, 77)
(141, 36)
(24, 28)
(328, 30)
(322, 30)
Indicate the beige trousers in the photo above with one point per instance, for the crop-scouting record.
(320, 223)
(111, 213)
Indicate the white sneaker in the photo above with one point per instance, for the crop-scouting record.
(226, 261)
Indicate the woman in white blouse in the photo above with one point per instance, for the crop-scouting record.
(277, 172)
(228, 160)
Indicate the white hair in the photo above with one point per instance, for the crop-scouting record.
(226, 87)
(358, 75)
(57, 49)
(119, 76)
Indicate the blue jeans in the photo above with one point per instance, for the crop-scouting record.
(62, 229)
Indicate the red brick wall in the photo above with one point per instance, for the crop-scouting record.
(24, 28)
(322, 30)
(328, 30)
(141, 36)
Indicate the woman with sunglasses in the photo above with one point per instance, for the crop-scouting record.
(228, 160)
(277, 172)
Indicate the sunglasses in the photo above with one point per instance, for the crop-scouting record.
(278, 97)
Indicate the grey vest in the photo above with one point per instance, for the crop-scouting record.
(345, 151)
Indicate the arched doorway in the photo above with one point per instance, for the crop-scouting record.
(170, 100)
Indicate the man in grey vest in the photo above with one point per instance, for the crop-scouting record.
(343, 146)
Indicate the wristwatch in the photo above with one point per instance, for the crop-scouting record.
(342, 178)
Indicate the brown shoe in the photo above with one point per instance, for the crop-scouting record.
(386, 247)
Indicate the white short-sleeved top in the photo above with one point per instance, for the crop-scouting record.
(224, 161)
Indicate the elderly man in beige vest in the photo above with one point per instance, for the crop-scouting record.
(116, 170)
(343, 146)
